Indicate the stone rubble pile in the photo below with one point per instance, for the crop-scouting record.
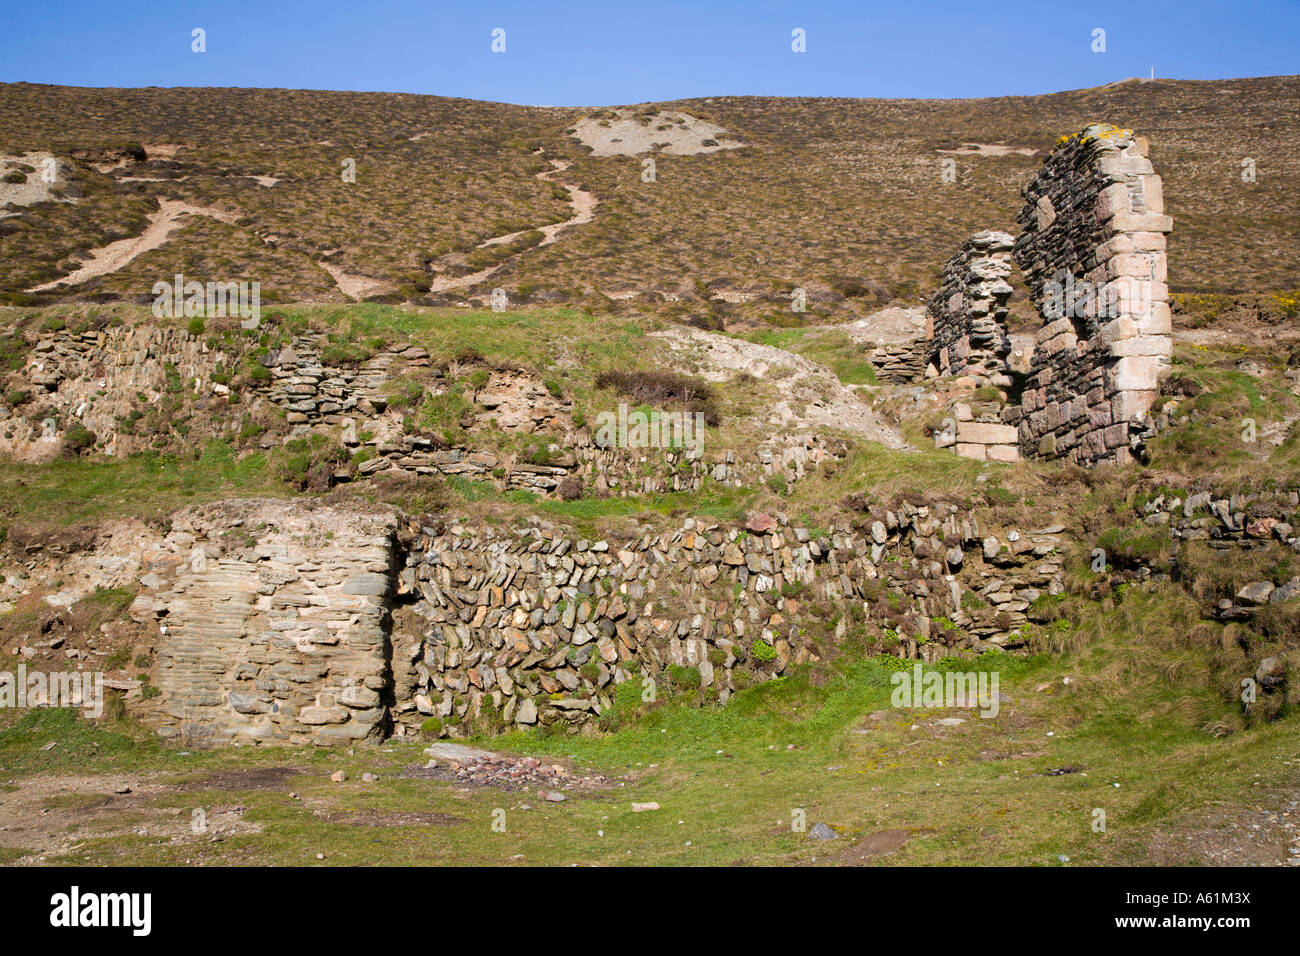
(515, 773)
(1252, 522)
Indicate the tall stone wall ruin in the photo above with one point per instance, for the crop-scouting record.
(966, 320)
(1092, 250)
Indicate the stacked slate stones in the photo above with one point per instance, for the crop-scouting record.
(966, 327)
(294, 622)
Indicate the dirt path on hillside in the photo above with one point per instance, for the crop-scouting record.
(115, 255)
(583, 204)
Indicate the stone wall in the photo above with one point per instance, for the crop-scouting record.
(539, 626)
(899, 363)
(274, 623)
(287, 622)
(966, 319)
(975, 430)
(1092, 250)
(97, 378)
(100, 378)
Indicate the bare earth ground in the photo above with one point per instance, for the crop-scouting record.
(672, 132)
(115, 255)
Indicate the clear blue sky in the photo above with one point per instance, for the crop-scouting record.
(591, 52)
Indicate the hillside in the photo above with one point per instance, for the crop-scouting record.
(843, 198)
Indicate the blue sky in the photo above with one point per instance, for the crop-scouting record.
(618, 51)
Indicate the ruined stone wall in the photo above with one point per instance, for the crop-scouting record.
(274, 622)
(899, 363)
(1092, 251)
(285, 622)
(96, 378)
(537, 626)
(100, 378)
(966, 319)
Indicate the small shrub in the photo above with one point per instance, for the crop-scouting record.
(569, 488)
(686, 678)
(659, 388)
(78, 439)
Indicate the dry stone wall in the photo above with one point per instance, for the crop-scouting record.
(97, 378)
(1092, 250)
(899, 363)
(283, 622)
(537, 626)
(966, 319)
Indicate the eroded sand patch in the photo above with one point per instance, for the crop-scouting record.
(34, 188)
(583, 204)
(990, 149)
(352, 285)
(891, 326)
(162, 150)
(671, 132)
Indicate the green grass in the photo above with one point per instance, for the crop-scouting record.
(81, 744)
(728, 778)
(85, 489)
